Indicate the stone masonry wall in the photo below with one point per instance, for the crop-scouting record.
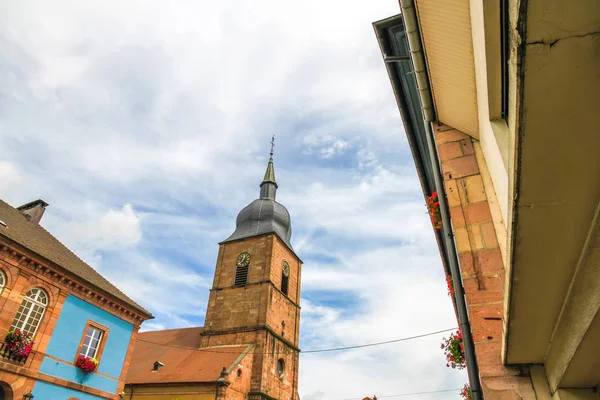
(258, 313)
(19, 280)
(481, 264)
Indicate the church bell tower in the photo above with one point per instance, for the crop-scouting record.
(255, 296)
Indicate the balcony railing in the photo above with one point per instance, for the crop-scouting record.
(6, 354)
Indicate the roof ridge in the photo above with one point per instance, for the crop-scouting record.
(47, 246)
(172, 329)
(94, 269)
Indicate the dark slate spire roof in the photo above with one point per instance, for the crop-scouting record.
(264, 215)
(268, 187)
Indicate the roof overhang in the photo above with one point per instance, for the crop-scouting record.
(445, 30)
(393, 43)
(555, 279)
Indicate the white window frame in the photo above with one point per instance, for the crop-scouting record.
(86, 351)
(35, 297)
(2, 281)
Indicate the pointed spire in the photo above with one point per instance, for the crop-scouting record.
(268, 187)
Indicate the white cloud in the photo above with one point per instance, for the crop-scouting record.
(146, 128)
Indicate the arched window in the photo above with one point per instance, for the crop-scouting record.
(2, 281)
(285, 277)
(31, 311)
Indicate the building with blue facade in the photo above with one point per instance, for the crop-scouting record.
(83, 328)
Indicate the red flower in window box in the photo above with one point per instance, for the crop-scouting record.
(433, 206)
(450, 286)
(86, 364)
(466, 393)
(454, 349)
(19, 343)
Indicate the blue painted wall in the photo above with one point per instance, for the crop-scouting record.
(65, 341)
(47, 391)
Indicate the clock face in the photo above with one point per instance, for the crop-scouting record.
(243, 260)
(286, 269)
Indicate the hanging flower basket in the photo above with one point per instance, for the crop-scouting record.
(433, 207)
(465, 393)
(19, 343)
(86, 364)
(455, 351)
(450, 284)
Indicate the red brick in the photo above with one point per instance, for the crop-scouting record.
(456, 214)
(486, 322)
(489, 261)
(466, 146)
(477, 213)
(448, 151)
(462, 240)
(466, 264)
(460, 167)
(475, 191)
(449, 136)
(489, 235)
(437, 127)
(489, 361)
(452, 193)
(490, 292)
(475, 237)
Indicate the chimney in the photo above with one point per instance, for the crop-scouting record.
(34, 210)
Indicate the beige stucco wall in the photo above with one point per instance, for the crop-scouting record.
(574, 394)
(171, 392)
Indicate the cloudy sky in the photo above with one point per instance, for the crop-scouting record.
(146, 126)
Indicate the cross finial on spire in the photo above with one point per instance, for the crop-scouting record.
(268, 185)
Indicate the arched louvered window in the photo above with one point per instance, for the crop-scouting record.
(241, 275)
(2, 280)
(285, 277)
(31, 311)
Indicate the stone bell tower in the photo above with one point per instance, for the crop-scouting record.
(255, 296)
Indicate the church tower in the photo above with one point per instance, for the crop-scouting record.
(255, 296)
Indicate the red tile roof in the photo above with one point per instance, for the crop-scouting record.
(40, 241)
(183, 362)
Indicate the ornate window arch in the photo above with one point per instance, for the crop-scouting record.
(31, 311)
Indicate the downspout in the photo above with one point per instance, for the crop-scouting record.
(452, 257)
(411, 27)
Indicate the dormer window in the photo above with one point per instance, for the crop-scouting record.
(157, 365)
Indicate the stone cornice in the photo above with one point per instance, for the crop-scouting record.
(250, 329)
(18, 256)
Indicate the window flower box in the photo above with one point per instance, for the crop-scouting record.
(17, 346)
(86, 364)
(455, 351)
(433, 207)
(465, 393)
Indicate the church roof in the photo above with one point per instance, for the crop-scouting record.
(183, 361)
(35, 238)
(264, 215)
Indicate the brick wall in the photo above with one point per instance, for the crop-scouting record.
(481, 264)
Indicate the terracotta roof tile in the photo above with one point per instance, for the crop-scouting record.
(185, 363)
(40, 241)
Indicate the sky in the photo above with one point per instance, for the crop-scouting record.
(146, 126)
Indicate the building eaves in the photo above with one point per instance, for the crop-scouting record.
(393, 42)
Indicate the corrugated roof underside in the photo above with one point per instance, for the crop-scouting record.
(446, 34)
